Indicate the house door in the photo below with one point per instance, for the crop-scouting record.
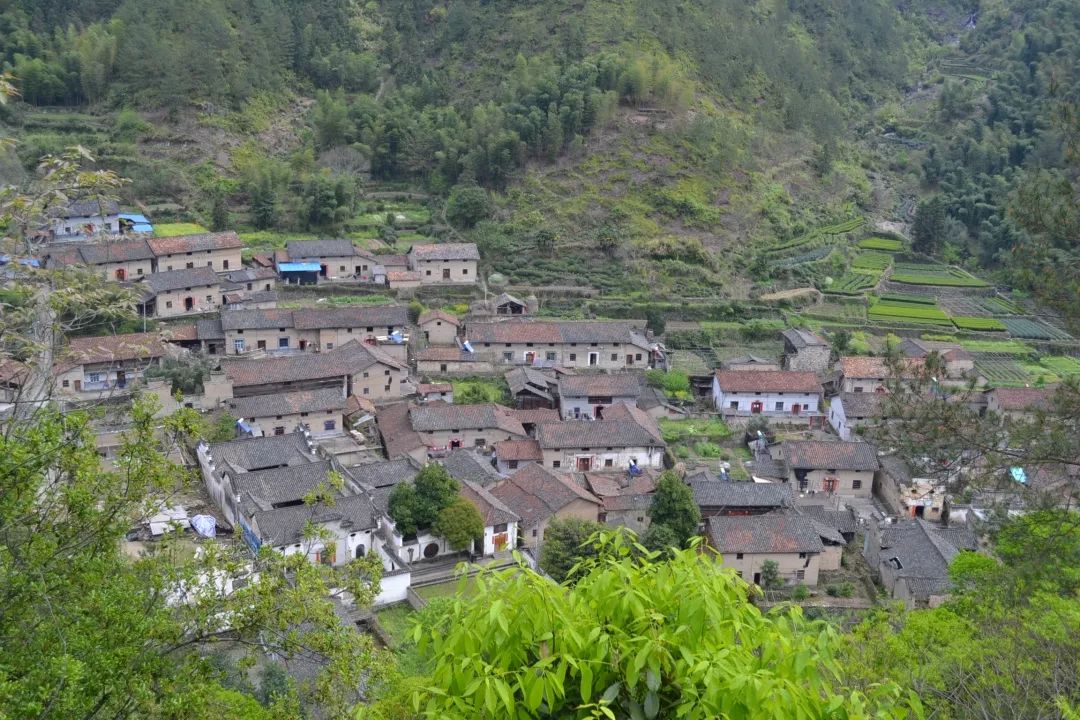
(529, 358)
(78, 386)
(446, 274)
(598, 412)
(121, 379)
(303, 344)
(629, 359)
(594, 358)
(189, 303)
(455, 444)
(322, 270)
(584, 464)
(756, 406)
(757, 578)
(796, 409)
(121, 274)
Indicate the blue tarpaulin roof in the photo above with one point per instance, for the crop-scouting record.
(299, 267)
(139, 223)
(1018, 475)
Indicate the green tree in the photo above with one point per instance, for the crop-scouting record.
(219, 212)
(565, 543)
(840, 341)
(416, 506)
(673, 506)
(638, 639)
(460, 523)
(928, 230)
(331, 121)
(655, 321)
(467, 205)
(661, 539)
(770, 574)
(264, 203)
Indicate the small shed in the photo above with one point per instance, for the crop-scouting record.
(299, 273)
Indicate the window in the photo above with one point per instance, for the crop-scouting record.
(209, 299)
(93, 377)
(428, 273)
(512, 464)
(139, 271)
(556, 463)
(238, 345)
(304, 414)
(386, 372)
(365, 374)
(210, 263)
(734, 405)
(278, 417)
(283, 342)
(800, 574)
(550, 355)
(500, 528)
(779, 405)
(858, 388)
(638, 357)
(802, 556)
(67, 383)
(534, 532)
(329, 346)
(225, 264)
(190, 265)
(279, 430)
(168, 303)
(442, 367)
(508, 356)
(573, 357)
(386, 388)
(856, 484)
(614, 357)
(608, 462)
(260, 345)
(342, 268)
(329, 425)
(641, 518)
(367, 391)
(738, 556)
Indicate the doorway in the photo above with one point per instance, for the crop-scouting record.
(584, 464)
(796, 409)
(446, 274)
(189, 304)
(322, 270)
(121, 274)
(756, 407)
(121, 379)
(757, 578)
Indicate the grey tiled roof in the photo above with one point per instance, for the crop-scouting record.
(841, 520)
(200, 242)
(612, 384)
(385, 474)
(862, 405)
(582, 332)
(285, 526)
(802, 338)
(445, 251)
(492, 509)
(354, 316)
(592, 434)
(348, 359)
(248, 454)
(264, 319)
(718, 493)
(169, 280)
(209, 329)
(89, 208)
(822, 454)
(397, 434)
(304, 249)
(117, 251)
(526, 379)
(262, 489)
(440, 416)
(924, 551)
(260, 406)
(767, 381)
(466, 466)
(774, 532)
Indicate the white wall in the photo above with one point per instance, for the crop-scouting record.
(393, 588)
(838, 419)
(808, 403)
(620, 458)
(584, 408)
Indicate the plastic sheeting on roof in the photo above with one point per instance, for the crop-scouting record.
(299, 267)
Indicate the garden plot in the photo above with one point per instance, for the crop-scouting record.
(919, 313)
(1061, 365)
(852, 283)
(932, 274)
(1033, 329)
(987, 324)
(848, 311)
(872, 262)
(965, 306)
(881, 243)
(1001, 369)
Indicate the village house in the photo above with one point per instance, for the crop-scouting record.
(805, 351)
(450, 361)
(181, 292)
(320, 411)
(625, 496)
(849, 412)
(403, 279)
(448, 427)
(587, 396)
(654, 401)
(439, 327)
(429, 392)
(538, 496)
(1018, 403)
(590, 344)
(507, 304)
(82, 219)
(14, 376)
(862, 374)
(532, 388)
(746, 542)
(959, 363)
(281, 331)
(337, 260)
(720, 497)
(354, 369)
(444, 263)
(621, 442)
(218, 251)
(913, 556)
(846, 469)
(94, 367)
(924, 498)
(750, 362)
(512, 455)
(122, 259)
(249, 280)
(762, 392)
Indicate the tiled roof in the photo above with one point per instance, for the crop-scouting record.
(518, 450)
(773, 532)
(248, 454)
(822, 454)
(429, 388)
(209, 329)
(385, 474)
(1022, 398)
(260, 406)
(446, 354)
(304, 249)
(13, 371)
(534, 416)
(492, 509)
(389, 261)
(348, 359)
(431, 315)
(593, 434)
(445, 251)
(285, 526)
(507, 298)
(202, 242)
(89, 208)
(924, 551)
(440, 416)
(862, 405)
(767, 381)
(465, 465)
(526, 379)
(535, 493)
(116, 251)
(393, 276)
(858, 366)
(262, 489)
(551, 332)
(843, 521)
(621, 412)
(612, 385)
(257, 319)
(749, 359)
(397, 434)
(181, 333)
(353, 316)
(916, 348)
(251, 274)
(802, 338)
(114, 348)
(719, 493)
(170, 280)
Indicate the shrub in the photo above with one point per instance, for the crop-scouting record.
(801, 592)
(708, 449)
(467, 205)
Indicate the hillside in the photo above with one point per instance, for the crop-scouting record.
(642, 149)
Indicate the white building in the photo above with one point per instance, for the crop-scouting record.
(779, 393)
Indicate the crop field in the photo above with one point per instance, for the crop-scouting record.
(914, 313)
(911, 298)
(1061, 365)
(1033, 329)
(923, 274)
(978, 323)
(818, 239)
(1007, 347)
(880, 243)
(872, 262)
(1000, 306)
(850, 311)
(1001, 369)
(176, 229)
(852, 283)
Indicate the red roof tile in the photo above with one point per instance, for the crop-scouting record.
(767, 381)
(195, 243)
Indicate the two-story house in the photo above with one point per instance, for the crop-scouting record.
(121, 259)
(782, 393)
(82, 219)
(850, 412)
(320, 411)
(746, 542)
(447, 427)
(587, 396)
(444, 263)
(860, 374)
(590, 344)
(805, 351)
(283, 331)
(538, 496)
(95, 367)
(337, 260)
(175, 293)
(439, 327)
(218, 251)
(839, 468)
(625, 440)
(912, 557)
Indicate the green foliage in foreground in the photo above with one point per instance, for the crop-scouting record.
(637, 638)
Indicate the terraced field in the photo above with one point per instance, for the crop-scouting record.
(932, 274)
(852, 283)
(907, 312)
(881, 243)
(871, 261)
(978, 323)
(1033, 329)
(1001, 369)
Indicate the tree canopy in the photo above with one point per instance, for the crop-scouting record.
(416, 506)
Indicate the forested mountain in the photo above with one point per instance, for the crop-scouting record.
(624, 142)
